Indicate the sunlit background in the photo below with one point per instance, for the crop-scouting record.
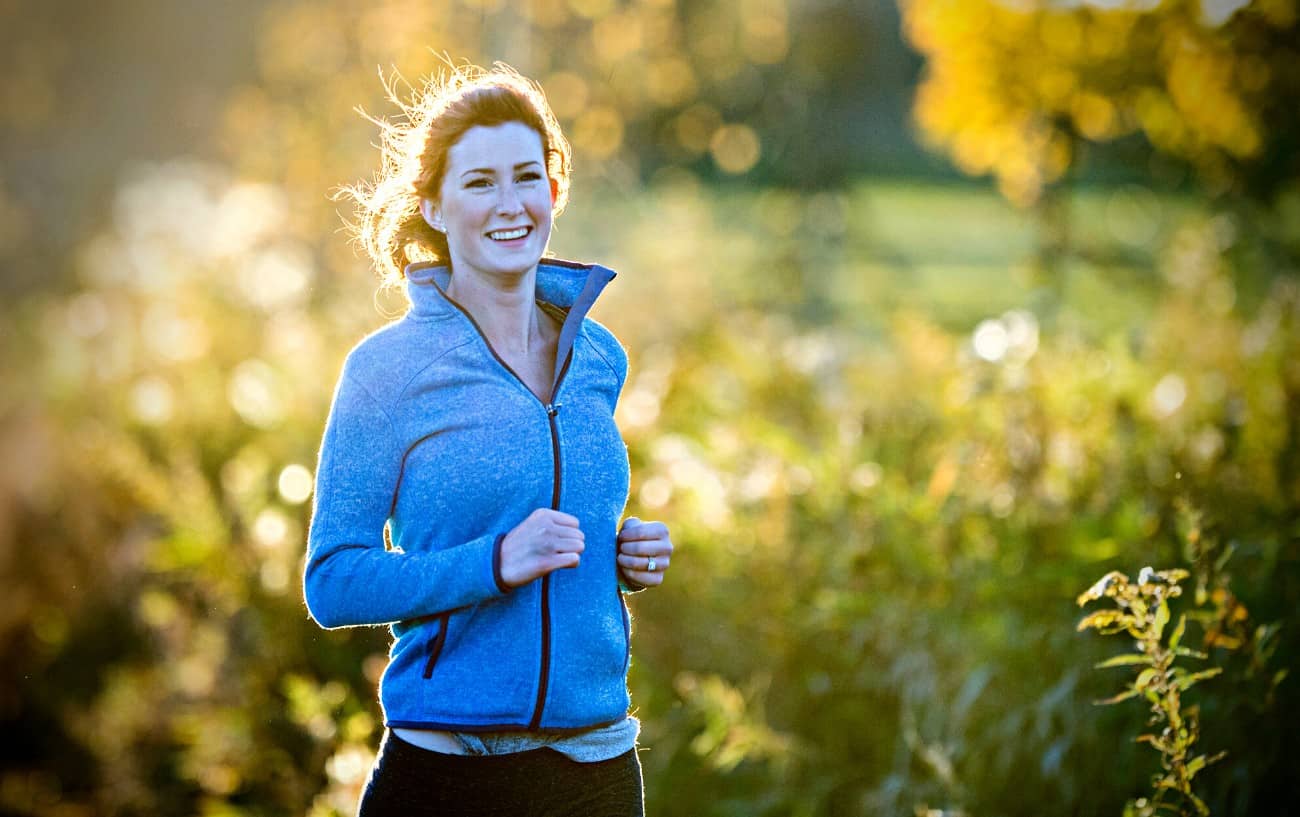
(937, 311)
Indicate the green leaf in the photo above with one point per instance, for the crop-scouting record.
(1145, 677)
(1187, 681)
(1178, 633)
(1224, 557)
(1162, 618)
(1103, 618)
(1123, 660)
(1114, 699)
(1190, 653)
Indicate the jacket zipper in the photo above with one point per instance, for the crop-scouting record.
(552, 408)
(544, 674)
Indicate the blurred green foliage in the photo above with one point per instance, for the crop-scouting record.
(891, 457)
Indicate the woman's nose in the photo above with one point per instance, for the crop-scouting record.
(509, 201)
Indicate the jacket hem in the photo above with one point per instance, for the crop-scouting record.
(448, 726)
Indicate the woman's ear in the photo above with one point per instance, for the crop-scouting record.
(555, 191)
(432, 215)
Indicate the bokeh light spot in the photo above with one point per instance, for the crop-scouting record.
(151, 400)
(1168, 395)
(295, 484)
(254, 393)
(990, 340)
(735, 148)
(864, 477)
(655, 492)
(276, 277)
(670, 82)
(567, 92)
(695, 127)
(173, 337)
(87, 315)
(271, 528)
(599, 132)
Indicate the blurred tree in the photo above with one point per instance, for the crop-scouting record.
(1021, 90)
(1013, 89)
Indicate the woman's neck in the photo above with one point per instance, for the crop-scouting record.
(506, 311)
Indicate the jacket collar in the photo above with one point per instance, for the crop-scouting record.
(569, 285)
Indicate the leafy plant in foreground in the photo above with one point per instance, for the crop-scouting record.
(1142, 611)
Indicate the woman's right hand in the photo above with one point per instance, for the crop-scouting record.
(544, 542)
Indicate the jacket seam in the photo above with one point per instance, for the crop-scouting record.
(601, 354)
(415, 375)
(370, 395)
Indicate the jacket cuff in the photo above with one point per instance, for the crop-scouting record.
(496, 565)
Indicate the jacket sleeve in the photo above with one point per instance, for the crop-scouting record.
(351, 578)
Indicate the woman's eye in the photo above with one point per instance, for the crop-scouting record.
(530, 176)
(477, 183)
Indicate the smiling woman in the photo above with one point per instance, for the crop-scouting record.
(476, 434)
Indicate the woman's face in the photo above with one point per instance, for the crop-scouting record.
(495, 201)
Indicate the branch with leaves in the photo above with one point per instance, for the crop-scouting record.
(1142, 611)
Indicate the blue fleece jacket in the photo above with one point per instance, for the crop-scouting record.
(433, 435)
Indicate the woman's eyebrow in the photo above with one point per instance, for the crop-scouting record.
(490, 171)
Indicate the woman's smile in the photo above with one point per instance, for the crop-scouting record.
(512, 237)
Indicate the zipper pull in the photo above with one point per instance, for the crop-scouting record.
(552, 409)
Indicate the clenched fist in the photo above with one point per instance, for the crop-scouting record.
(544, 542)
(644, 551)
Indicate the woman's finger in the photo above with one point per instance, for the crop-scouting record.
(644, 530)
(646, 547)
(645, 579)
(644, 564)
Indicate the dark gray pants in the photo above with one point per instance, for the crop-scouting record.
(414, 782)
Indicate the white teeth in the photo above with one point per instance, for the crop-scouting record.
(508, 235)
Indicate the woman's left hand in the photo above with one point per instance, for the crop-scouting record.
(644, 551)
